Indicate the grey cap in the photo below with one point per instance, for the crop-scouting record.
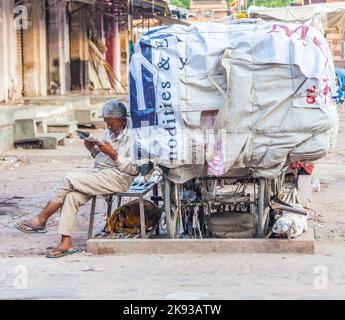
(114, 109)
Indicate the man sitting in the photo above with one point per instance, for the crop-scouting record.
(114, 171)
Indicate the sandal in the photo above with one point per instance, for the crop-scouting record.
(62, 253)
(33, 229)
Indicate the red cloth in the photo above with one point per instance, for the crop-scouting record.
(308, 168)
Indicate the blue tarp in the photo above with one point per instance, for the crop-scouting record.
(341, 84)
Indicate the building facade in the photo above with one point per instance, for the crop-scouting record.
(307, 2)
(8, 50)
(204, 10)
(45, 47)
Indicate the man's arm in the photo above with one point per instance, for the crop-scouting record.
(93, 146)
(124, 164)
(108, 149)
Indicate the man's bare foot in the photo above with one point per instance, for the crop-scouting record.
(58, 253)
(32, 224)
(64, 247)
(38, 224)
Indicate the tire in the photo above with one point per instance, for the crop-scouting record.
(261, 207)
(171, 221)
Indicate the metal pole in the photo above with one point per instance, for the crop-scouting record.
(130, 25)
(167, 209)
(142, 217)
(261, 207)
(92, 217)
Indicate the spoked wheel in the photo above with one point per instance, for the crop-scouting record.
(172, 207)
(263, 206)
(260, 208)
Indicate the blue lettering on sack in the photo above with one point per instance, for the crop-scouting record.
(146, 49)
(162, 36)
(164, 63)
(138, 150)
(133, 99)
(147, 115)
(155, 30)
(162, 43)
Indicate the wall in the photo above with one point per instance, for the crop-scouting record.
(8, 63)
(113, 54)
(336, 44)
(34, 51)
(79, 49)
(208, 10)
(58, 48)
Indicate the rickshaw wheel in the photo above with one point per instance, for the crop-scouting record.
(171, 210)
(263, 208)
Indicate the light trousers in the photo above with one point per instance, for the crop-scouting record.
(77, 188)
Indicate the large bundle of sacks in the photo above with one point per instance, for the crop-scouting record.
(232, 99)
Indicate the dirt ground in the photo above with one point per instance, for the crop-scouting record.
(26, 183)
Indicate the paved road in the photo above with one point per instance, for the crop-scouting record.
(25, 273)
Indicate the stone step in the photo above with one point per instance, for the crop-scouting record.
(303, 244)
(66, 127)
(42, 141)
(73, 101)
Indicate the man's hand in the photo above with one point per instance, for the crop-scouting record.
(108, 149)
(89, 144)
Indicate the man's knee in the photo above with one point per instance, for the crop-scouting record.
(70, 176)
(76, 198)
(71, 179)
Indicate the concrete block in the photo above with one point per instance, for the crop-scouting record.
(44, 141)
(29, 128)
(52, 140)
(85, 116)
(63, 127)
(303, 244)
(90, 117)
(99, 124)
(24, 129)
(6, 137)
(41, 126)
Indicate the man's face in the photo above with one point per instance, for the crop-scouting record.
(115, 125)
